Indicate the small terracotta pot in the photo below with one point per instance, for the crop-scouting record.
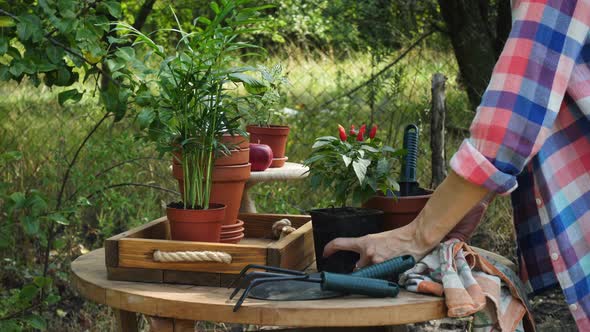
(399, 211)
(273, 136)
(196, 225)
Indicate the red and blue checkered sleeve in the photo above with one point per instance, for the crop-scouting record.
(525, 92)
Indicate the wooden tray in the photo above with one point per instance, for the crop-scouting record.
(129, 255)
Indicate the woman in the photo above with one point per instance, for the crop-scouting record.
(530, 138)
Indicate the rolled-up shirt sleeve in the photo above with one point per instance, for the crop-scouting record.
(525, 92)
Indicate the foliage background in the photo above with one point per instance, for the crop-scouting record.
(332, 52)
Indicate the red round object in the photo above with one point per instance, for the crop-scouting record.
(260, 156)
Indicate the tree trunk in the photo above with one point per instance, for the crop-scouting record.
(437, 130)
(476, 40)
(503, 24)
(143, 14)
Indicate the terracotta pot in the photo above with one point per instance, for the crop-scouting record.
(228, 186)
(273, 136)
(177, 173)
(398, 211)
(196, 225)
(240, 154)
(237, 157)
(237, 141)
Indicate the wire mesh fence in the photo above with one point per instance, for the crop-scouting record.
(351, 87)
(327, 88)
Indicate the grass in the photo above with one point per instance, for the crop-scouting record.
(47, 135)
(32, 122)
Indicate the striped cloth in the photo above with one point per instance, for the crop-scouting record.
(531, 137)
(471, 285)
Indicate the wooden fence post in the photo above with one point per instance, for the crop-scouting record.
(437, 130)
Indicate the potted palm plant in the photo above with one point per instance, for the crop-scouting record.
(352, 167)
(189, 111)
(263, 115)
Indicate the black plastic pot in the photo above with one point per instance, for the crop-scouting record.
(332, 223)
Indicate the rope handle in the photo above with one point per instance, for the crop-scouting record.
(192, 256)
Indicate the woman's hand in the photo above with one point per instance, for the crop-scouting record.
(377, 248)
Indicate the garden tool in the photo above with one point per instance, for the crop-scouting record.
(408, 183)
(280, 284)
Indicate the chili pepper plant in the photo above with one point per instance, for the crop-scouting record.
(354, 166)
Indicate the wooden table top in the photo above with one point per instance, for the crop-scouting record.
(212, 304)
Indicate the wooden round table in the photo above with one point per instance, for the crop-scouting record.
(190, 303)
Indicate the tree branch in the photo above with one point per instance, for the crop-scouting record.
(133, 184)
(75, 158)
(108, 169)
(14, 17)
(51, 232)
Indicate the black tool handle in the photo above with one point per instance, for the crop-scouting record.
(387, 269)
(410, 160)
(356, 285)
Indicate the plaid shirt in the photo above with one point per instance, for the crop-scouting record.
(531, 137)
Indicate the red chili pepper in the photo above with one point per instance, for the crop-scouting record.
(352, 131)
(373, 131)
(342, 133)
(361, 135)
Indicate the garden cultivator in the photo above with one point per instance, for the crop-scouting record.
(274, 283)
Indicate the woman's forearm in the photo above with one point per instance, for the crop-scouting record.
(451, 201)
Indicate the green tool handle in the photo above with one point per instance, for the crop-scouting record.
(356, 285)
(387, 269)
(410, 160)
